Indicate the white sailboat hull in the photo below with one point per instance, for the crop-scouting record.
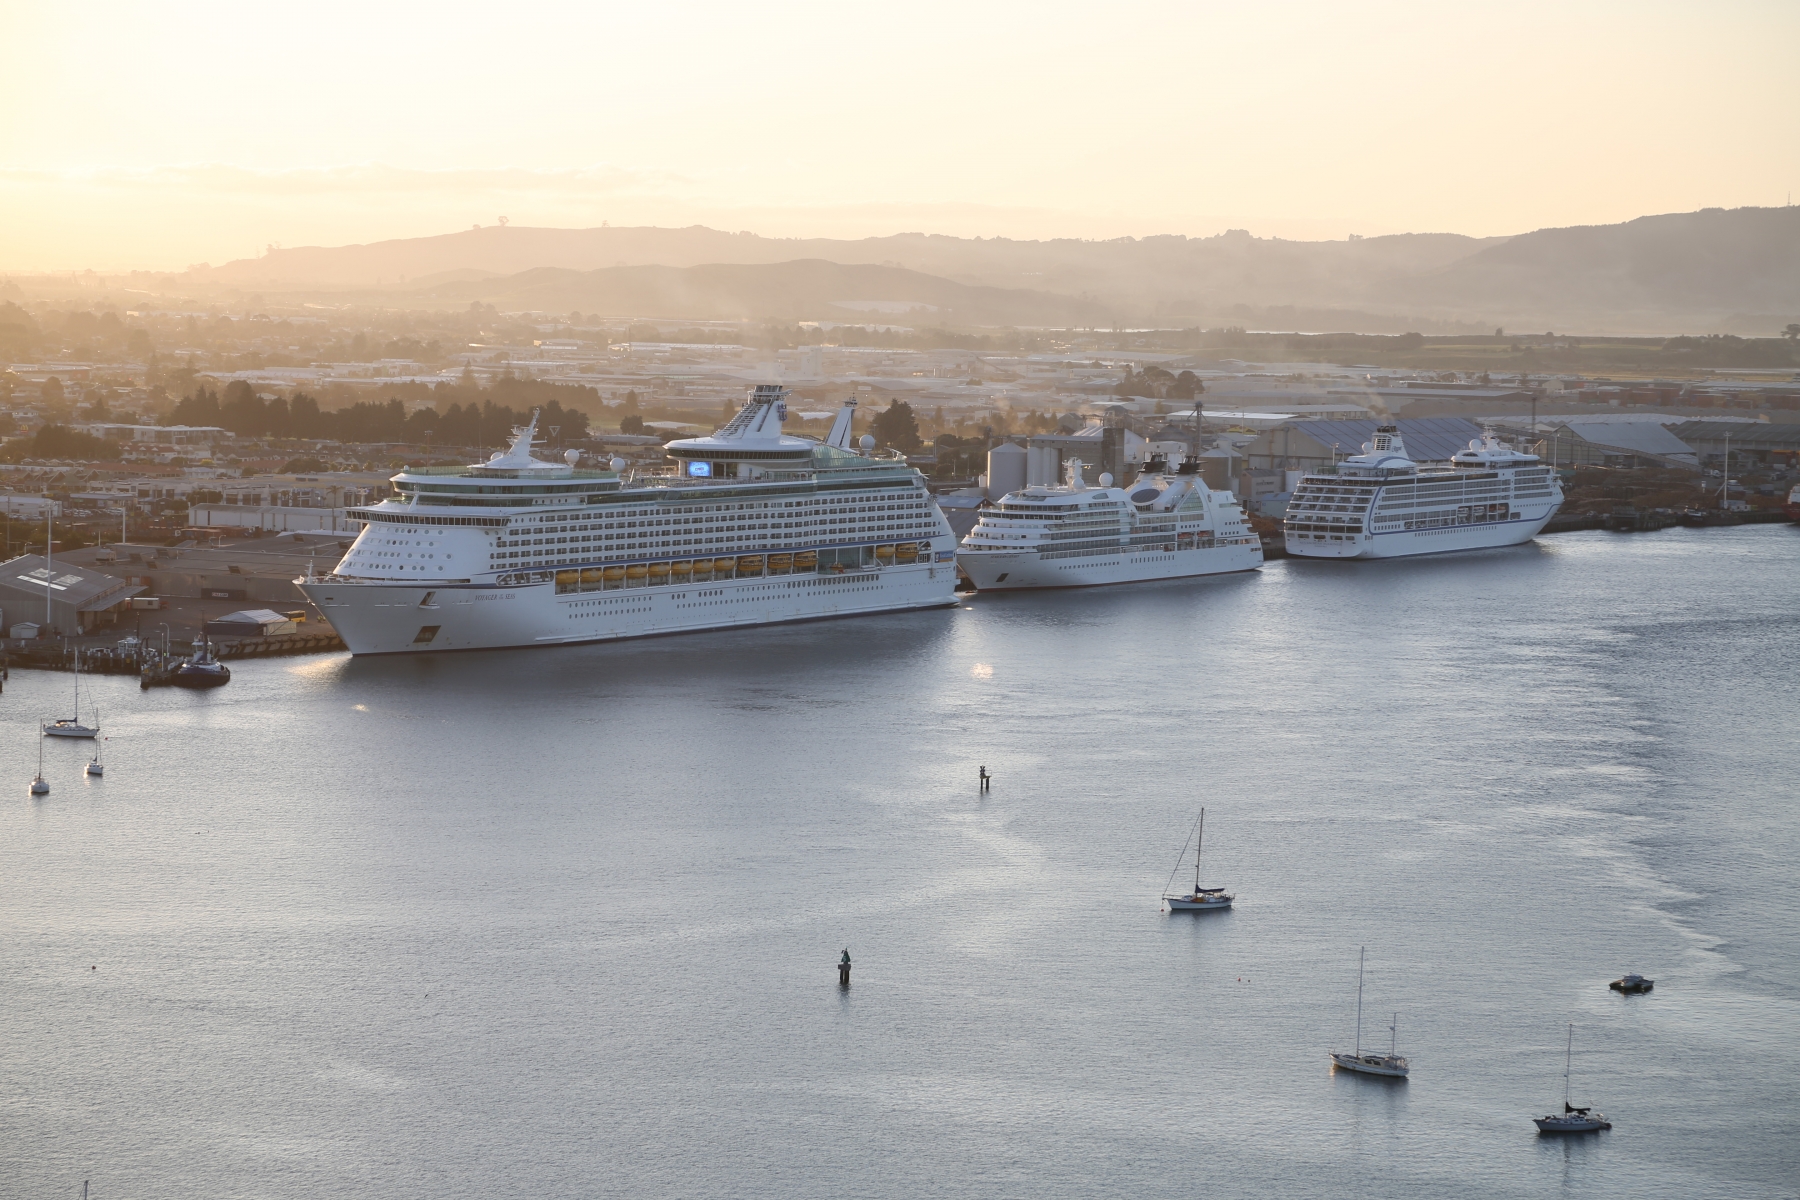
(1371, 1064)
(1571, 1124)
(1186, 904)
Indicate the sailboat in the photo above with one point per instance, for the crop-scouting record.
(1200, 899)
(71, 727)
(1391, 1063)
(1571, 1119)
(38, 786)
(96, 767)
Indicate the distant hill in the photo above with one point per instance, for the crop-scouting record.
(1655, 274)
(809, 289)
(1713, 261)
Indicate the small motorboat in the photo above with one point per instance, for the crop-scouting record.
(1632, 985)
(1571, 1119)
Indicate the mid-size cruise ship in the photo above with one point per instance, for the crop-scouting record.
(1382, 504)
(1164, 526)
(751, 527)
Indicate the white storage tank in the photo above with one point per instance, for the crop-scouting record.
(1005, 469)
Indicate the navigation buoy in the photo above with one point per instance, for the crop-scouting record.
(844, 970)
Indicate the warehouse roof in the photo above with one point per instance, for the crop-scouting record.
(82, 587)
(1428, 439)
(1639, 437)
(1744, 435)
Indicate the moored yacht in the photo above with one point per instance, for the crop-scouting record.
(748, 526)
(1382, 504)
(1201, 899)
(1571, 1119)
(1391, 1064)
(72, 726)
(1164, 526)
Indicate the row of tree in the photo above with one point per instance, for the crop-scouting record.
(482, 421)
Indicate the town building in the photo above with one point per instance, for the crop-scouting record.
(80, 598)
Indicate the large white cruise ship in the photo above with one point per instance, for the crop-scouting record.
(1381, 504)
(1162, 527)
(751, 527)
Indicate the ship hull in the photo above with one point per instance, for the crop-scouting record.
(414, 618)
(1363, 1066)
(1005, 571)
(1408, 543)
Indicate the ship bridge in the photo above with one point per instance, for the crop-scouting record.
(752, 443)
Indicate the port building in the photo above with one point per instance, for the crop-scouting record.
(81, 598)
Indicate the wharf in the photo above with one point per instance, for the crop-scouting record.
(144, 659)
(1626, 518)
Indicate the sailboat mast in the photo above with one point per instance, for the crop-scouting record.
(1568, 1061)
(1359, 974)
(1197, 845)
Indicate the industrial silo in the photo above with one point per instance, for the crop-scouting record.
(1005, 469)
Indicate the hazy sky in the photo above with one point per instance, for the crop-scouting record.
(156, 135)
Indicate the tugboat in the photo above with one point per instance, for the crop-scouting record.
(1200, 899)
(1632, 985)
(1391, 1064)
(1571, 1119)
(202, 670)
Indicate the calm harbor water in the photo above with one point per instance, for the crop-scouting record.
(563, 923)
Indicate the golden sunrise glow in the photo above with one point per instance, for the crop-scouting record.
(147, 135)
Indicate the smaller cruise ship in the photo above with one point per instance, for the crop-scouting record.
(1382, 504)
(1164, 526)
